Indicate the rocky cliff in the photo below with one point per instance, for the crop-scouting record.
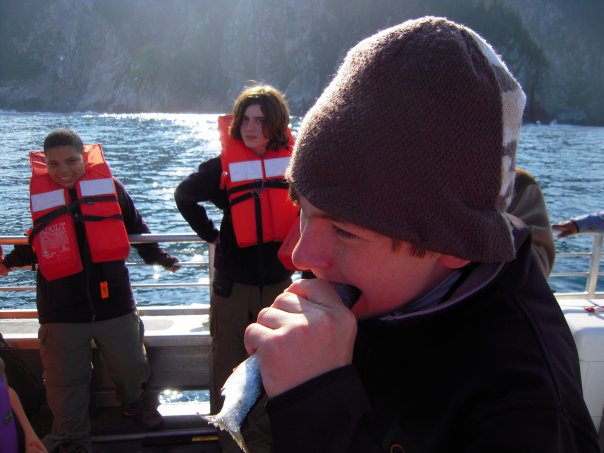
(195, 55)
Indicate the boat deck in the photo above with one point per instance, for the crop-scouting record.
(114, 433)
(177, 340)
(178, 347)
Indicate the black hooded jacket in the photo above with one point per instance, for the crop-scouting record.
(493, 368)
(256, 265)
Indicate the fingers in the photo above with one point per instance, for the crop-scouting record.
(286, 305)
(289, 337)
(318, 291)
(287, 311)
(563, 230)
(566, 228)
(306, 304)
(255, 335)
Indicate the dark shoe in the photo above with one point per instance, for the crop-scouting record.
(144, 411)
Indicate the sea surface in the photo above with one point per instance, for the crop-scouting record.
(152, 153)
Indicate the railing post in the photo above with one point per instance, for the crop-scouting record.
(594, 267)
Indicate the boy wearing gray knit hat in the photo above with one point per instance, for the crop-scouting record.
(403, 170)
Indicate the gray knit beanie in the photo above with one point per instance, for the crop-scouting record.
(415, 138)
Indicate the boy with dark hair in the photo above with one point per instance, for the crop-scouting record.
(462, 348)
(82, 217)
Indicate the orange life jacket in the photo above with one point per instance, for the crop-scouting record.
(258, 194)
(53, 236)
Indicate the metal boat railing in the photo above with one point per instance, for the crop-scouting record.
(141, 239)
(594, 255)
(591, 275)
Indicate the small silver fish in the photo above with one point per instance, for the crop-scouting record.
(241, 391)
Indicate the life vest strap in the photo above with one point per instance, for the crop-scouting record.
(276, 184)
(249, 186)
(259, 230)
(258, 184)
(253, 191)
(42, 222)
(245, 196)
(257, 211)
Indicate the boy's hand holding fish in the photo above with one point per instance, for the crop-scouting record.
(306, 332)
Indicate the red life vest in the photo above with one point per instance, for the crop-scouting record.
(53, 236)
(258, 194)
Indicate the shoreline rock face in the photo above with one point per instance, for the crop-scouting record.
(126, 56)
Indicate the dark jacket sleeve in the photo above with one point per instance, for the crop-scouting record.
(332, 413)
(529, 205)
(335, 411)
(21, 255)
(590, 223)
(198, 187)
(151, 253)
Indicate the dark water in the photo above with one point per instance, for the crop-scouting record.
(568, 162)
(152, 153)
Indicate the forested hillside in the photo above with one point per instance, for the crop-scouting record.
(195, 55)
